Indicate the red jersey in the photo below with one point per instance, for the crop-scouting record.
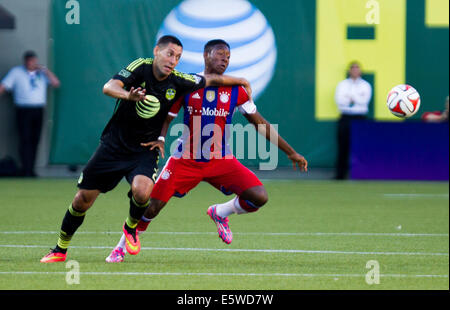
(207, 116)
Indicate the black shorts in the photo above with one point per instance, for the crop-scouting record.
(106, 168)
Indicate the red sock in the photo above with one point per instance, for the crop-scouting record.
(142, 225)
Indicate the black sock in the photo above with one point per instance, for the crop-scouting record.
(72, 220)
(136, 212)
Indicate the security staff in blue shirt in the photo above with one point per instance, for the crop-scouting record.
(28, 85)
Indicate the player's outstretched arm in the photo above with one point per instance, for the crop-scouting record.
(267, 130)
(227, 80)
(115, 88)
(160, 143)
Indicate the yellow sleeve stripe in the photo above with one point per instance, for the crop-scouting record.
(185, 76)
(135, 64)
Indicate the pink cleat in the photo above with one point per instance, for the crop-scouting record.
(117, 256)
(222, 225)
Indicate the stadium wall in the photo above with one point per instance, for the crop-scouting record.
(315, 41)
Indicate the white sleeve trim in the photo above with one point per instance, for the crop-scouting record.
(247, 108)
(173, 114)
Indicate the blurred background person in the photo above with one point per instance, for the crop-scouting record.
(28, 85)
(437, 116)
(352, 98)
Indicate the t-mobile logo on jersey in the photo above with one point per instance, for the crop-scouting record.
(215, 112)
(209, 112)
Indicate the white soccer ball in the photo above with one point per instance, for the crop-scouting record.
(403, 101)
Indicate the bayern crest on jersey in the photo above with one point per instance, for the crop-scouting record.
(224, 97)
(165, 174)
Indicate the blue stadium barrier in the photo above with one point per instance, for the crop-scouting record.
(399, 151)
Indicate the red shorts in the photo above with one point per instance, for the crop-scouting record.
(181, 175)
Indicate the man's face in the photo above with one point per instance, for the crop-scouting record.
(218, 58)
(355, 71)
(31, 63)
(167, 57)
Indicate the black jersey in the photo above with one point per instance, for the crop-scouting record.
(136, 122)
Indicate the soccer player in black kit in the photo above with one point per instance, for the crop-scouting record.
(145, 91)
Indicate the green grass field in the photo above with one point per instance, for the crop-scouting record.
(311, 235)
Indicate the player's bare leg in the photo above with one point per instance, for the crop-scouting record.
(73, 219)
(256, 196)
(249, 201)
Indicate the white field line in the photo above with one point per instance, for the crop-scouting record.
(242, 233)
(416, 195)
(224, 274)
(241, 250)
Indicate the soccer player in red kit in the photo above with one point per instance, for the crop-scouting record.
(203, 153)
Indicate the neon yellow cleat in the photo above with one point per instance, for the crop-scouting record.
(132, 243)
(54, 257)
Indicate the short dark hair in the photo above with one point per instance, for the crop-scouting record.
(210, 44)
(164, 40)
(29, 54)
(354, 63)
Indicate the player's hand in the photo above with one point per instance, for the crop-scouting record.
(42, 68)
(137, 94)
(155, 144)
(299, 160)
